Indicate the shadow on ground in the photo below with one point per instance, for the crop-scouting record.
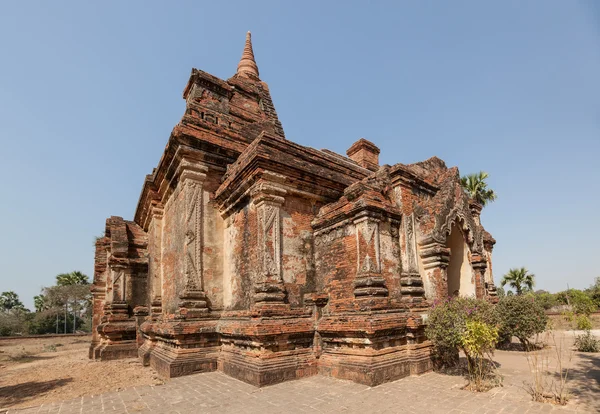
(30, 358)
(20, 393)
(584, 380)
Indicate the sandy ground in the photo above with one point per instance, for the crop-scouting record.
(582, 370)
(43, 370)
(34, 371)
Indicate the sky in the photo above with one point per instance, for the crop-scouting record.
(90, 91)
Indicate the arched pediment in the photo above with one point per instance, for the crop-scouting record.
(455, 210)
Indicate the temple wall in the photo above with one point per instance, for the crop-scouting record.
(137, 291)
(99, 289)
(335, 263)
(240, 258)
(428, 282)
(391, 265)
(297, 249)
(212, 251)
(154, 254)
(173, 280)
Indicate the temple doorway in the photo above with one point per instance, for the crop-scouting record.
(460, 281)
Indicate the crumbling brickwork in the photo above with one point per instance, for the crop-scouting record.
(271, 261)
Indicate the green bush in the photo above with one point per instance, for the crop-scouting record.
(587, 343)
(568, 316)
(584, 323)
(594, 292)
(478, 341)
(581, 302)
(521, 316)
(447, 324)
(546, 300)
(584, 306)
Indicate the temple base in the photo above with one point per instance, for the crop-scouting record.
(176, 362)
(117, 340)
(372, 349)
(180, 347)
(267, 346)
(107, 351)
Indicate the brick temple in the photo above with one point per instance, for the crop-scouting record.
(269, 260)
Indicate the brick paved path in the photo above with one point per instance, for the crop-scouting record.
(217, 393)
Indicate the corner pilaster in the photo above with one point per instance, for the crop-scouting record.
(193, 301)
(369, 282)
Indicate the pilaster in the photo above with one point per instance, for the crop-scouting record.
(411, 282)
(268, 199)
(369, 283)
(435, 258)
(479, 264)
(193, 301)
(155, 265)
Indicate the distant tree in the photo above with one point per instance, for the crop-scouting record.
(594, 292)
(580, 301)
(476, 187)
(9, 302)
(40, 303)
(519, 279)
(74, 278)
(13, 315)
(500, 291)
(71, 290)
(546, 299)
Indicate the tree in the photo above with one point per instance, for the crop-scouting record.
(519, 279)
(500, 291)
(40, 303)
(71, 289)
(594, 292)
(13, 315)
(74, 278)
(477, 189)
(9, 301)
(521, 316)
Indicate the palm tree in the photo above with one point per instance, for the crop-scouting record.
(477, 189)
(10, 301)
(75, 288)
(74, 278)
(40, 303)
(519, 279)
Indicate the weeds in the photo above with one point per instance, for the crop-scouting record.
(587, 342)
(49, 348)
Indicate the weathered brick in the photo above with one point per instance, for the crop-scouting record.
(271, 261)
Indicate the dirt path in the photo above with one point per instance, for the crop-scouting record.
(36, 371)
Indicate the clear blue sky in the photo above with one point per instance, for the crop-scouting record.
(89, 92)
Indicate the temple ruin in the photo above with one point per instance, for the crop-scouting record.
(270, 261)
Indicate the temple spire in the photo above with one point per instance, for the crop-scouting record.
(247, 65)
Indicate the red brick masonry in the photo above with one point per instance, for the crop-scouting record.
(271, 261)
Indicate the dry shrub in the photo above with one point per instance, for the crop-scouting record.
(549, 368)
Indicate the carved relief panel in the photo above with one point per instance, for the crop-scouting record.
(269, 239)
(193, 235)
(367, 239)
(409, 233)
